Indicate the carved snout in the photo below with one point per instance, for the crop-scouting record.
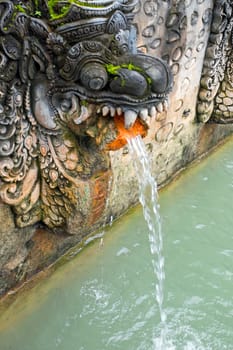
(155, 70)
(129, 82)
(93, 66)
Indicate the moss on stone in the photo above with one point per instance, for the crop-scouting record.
(112, 69)
(52, 4)
(54, 13)
(65, 8)
(20, 8)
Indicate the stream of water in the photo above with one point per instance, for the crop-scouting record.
(148, 197)
(104, 298)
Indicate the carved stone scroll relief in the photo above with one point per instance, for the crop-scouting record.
(65, 70)
(216, 86)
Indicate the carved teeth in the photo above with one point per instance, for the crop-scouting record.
(83, 115)
(130, 117)
(119, 111)
(159, 107)
(165, 105)
(112, 111)
(143, 114)
(105, 111)
(153, 112)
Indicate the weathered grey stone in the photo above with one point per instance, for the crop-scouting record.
(178, 32)
(13, 247)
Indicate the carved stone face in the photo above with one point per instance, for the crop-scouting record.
(67, 79)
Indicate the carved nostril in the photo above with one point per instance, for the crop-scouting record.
(94, 76)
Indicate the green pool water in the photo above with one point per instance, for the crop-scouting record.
(104, 298)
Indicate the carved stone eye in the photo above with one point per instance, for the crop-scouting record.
(66, 104)
(94, 76)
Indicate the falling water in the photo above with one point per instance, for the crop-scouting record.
(148, 197)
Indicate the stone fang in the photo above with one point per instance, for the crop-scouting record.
(153, 112)
(105, 111)
(130, 117)
(112, 111)
(159, 107)
(119, 111)
(143, 114)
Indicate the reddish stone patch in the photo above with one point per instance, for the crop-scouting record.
(44, 248)
(99, 192)
(123, 134)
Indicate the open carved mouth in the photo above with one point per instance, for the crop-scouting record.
(105, 122)
(92, 89)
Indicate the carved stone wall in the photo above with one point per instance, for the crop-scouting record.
(73, 176)
(179, 32)
(216, 87)
(68, 73)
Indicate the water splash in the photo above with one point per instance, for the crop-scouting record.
(148, 196)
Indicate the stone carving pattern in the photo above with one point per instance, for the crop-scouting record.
(216, 89)
(64, 71)
(164, 29)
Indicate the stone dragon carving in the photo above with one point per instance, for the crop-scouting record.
(216, 87)
(68, 71)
